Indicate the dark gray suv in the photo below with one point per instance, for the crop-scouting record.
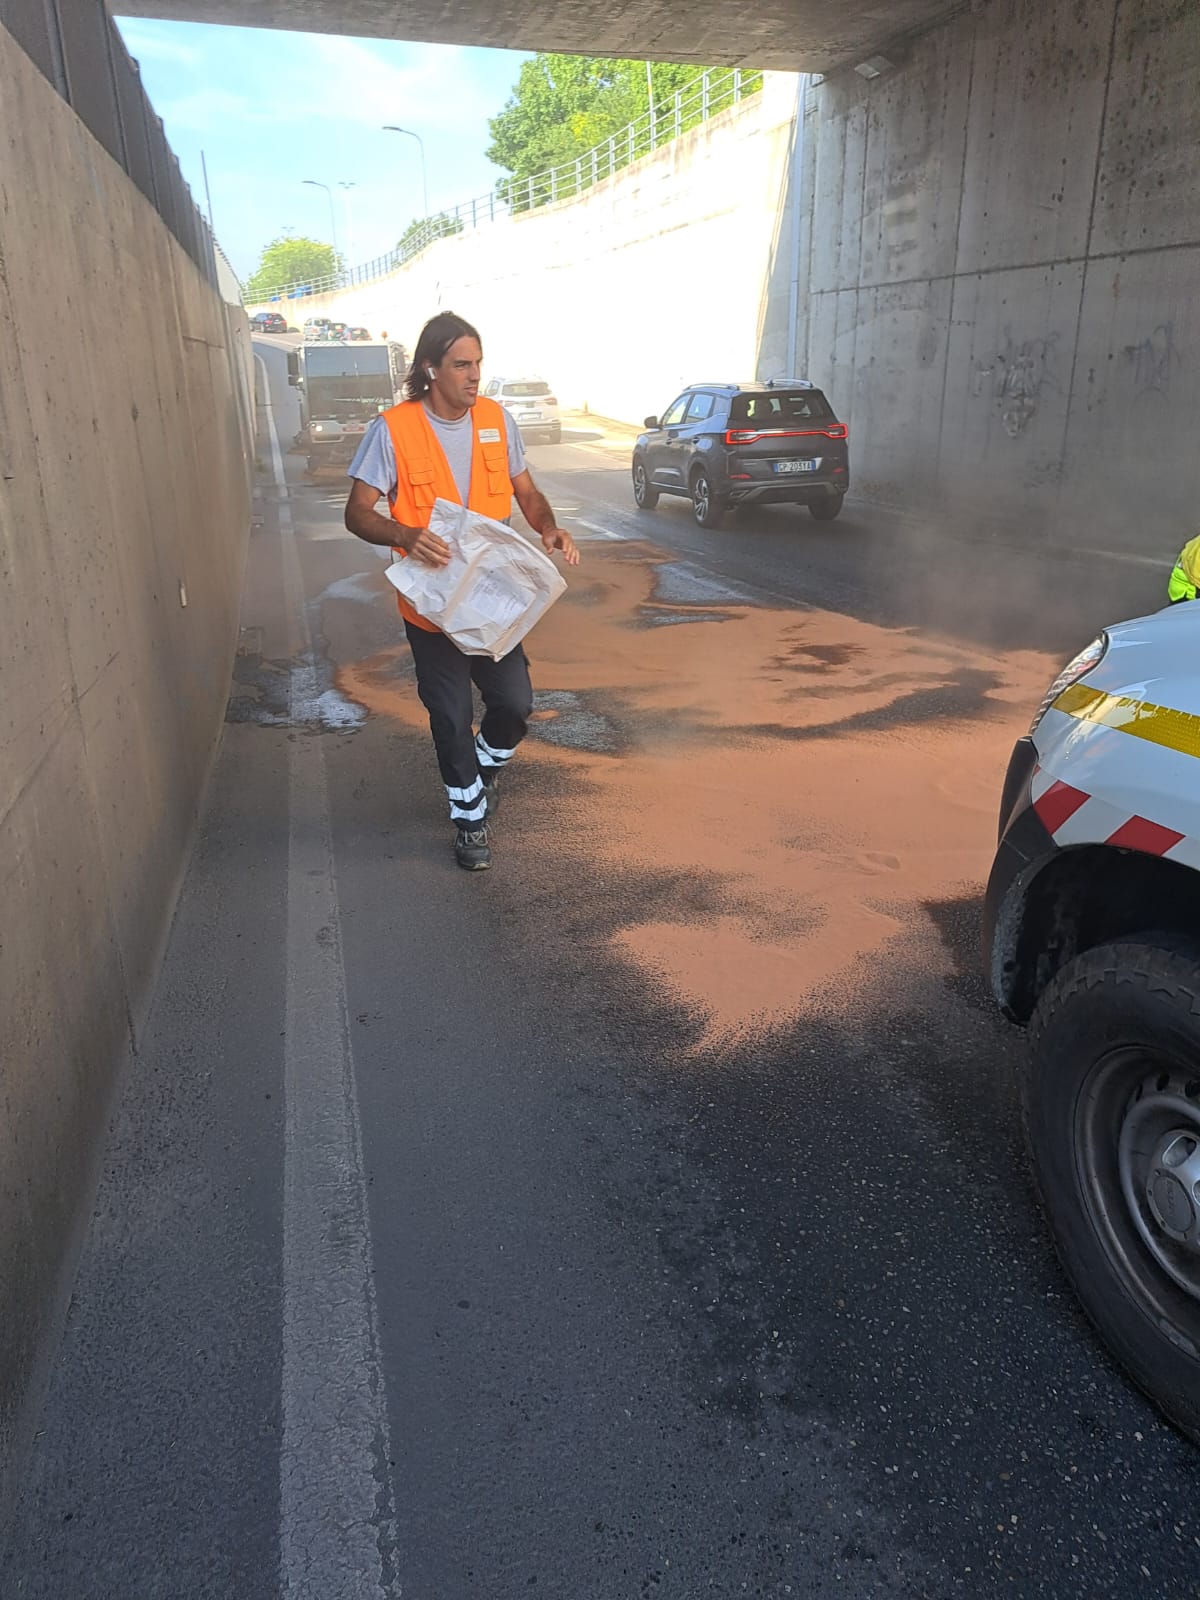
(729, 444)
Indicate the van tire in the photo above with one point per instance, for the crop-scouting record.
(1111, 1100)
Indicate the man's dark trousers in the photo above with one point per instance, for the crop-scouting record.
(468, 761)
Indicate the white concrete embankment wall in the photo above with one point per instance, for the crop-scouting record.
(125, 467)
(650, 280)
(1003, 269)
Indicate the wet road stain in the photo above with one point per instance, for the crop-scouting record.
(562, 717)
(663, 616)
(814, 657)
(965, 696)
(681, 583)
(295, 693)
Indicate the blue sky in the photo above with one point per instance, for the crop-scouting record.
(270, 109)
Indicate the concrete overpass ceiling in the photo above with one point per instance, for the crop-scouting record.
(785, 35)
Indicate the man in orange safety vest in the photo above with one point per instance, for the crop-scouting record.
(446, 441)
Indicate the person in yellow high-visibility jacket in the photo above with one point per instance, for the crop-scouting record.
(1185, 578)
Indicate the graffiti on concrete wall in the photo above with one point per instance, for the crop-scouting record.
(1152, 359)
(1018, 375)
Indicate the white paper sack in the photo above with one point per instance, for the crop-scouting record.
(495, 586)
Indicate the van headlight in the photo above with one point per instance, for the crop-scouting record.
(1071, 673)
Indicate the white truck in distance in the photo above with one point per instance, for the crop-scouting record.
(342, 388)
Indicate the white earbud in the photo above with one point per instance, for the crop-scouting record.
(430, 371)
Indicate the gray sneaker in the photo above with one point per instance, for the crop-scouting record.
(471, 849)
(492, 790)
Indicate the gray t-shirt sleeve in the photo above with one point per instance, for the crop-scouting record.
(375, 460)
(516, 446)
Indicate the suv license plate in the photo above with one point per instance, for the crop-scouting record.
(795, 466)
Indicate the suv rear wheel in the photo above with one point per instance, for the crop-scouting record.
(1112, 1116)
(644, 494)
(827, 507)
(706, 508)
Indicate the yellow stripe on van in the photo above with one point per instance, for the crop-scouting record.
(1176, 730)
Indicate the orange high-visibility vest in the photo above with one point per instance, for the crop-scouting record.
(423, 474)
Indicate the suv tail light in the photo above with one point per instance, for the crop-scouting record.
(835, 430)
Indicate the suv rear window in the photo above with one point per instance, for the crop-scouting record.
(779, 408)
(526, 388)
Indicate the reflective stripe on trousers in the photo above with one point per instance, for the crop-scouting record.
(444, 682)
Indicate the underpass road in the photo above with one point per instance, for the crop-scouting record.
(681, 1242)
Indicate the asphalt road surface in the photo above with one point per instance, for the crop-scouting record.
(646, 1217)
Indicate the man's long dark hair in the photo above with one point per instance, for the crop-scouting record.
(438, 334)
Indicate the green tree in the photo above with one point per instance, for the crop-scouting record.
(561, 106)
(287, 260)
(424, 230)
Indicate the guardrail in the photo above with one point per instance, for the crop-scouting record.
(712, 92)
(76, 46)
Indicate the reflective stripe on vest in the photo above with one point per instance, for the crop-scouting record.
(423, 474)
(1186, 574)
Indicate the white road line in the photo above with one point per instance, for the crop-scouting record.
(594, 527)
(338, 1532)
(1129, 559)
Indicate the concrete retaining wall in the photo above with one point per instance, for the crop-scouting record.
(1003, 268)
(125, 466)
(651, 280)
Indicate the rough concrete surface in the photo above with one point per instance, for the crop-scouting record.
(124, 476)
(1003, 268)
(793, 35)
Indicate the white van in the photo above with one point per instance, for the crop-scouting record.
(1093, 939)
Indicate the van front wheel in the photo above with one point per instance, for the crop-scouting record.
(1112, 1117)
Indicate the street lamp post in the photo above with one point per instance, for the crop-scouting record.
(332, 217)
(389, 127)
(346, 187)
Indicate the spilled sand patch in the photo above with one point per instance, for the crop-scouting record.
(829, 776)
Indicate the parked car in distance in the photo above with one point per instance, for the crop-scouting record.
(729, 444)
(268, 322)
(360, 335)
(317, 328)
(532, 405)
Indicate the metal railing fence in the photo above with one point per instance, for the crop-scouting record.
(76, 46)
(714, 91)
